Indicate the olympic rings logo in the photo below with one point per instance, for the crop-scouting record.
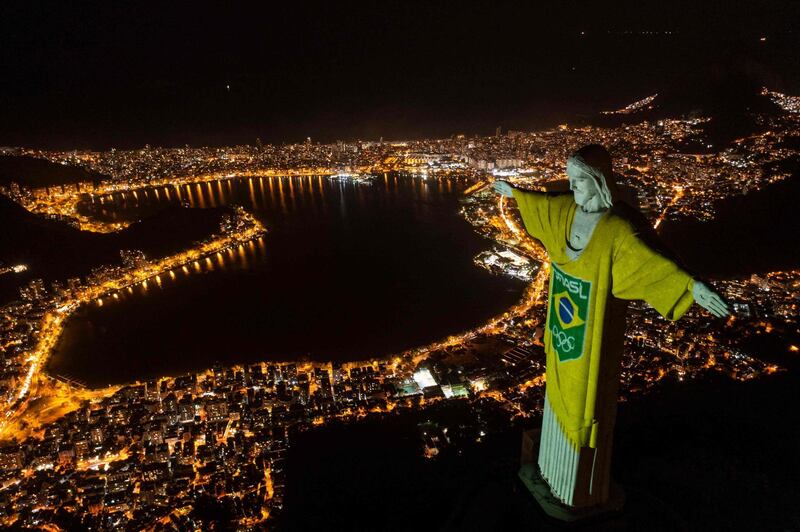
(564, 343)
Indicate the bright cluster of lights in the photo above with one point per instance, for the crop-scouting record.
(644, 103)
(423, 378)
(784, 101)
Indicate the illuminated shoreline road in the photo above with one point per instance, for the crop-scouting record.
(64, 202)
(53, 321)
(530, 298)
(36, 383)
(504, 229)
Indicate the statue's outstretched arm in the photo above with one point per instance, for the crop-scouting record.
(504, 188)
(710, 300)
(640, 272)
(534, 208)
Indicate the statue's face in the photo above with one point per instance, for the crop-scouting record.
(584, 188)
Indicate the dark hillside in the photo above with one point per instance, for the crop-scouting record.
(35, 173)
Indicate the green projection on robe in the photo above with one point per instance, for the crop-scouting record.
(569, 309)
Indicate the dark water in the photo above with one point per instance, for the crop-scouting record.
(345, 272)
(54, 251)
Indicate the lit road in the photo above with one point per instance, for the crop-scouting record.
(678, 195)
(52, 322)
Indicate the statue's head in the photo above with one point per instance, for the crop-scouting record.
(591, 178)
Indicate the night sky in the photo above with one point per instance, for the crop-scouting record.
(99, 75)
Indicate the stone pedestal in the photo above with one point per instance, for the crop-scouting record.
(552, 507)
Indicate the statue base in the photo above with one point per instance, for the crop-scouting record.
(550, 505)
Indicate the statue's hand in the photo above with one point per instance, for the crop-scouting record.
(503, 188)
(710, 300)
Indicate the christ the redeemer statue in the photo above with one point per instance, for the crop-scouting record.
(597, 259)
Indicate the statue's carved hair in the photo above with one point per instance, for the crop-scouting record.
(598, 157)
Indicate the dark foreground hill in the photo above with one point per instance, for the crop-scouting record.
(35, 173)
(713, 454)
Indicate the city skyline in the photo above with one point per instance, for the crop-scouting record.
(669, 164)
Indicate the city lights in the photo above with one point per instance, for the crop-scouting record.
(224, 431)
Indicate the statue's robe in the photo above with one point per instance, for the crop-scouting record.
(584, 336)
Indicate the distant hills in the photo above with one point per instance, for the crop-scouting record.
(729, 96)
